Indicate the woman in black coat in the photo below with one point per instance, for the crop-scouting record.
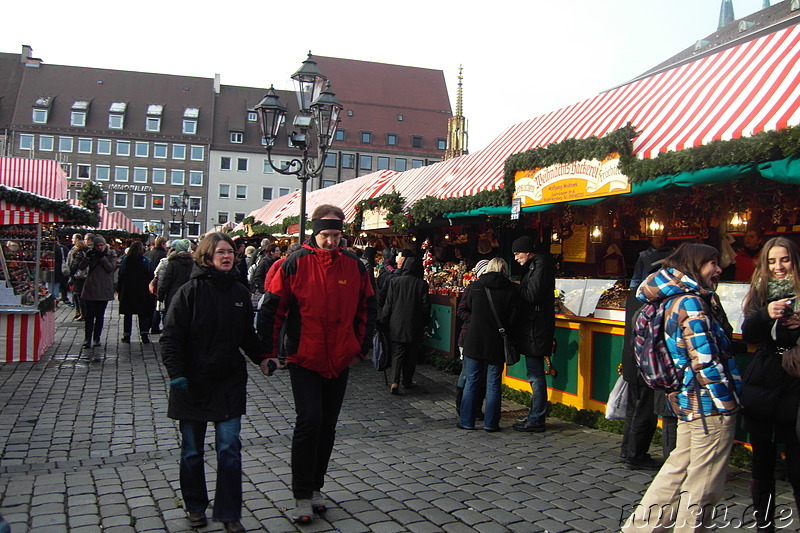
(483, 344)
(405, 315)
(133, 291)
(209, 320)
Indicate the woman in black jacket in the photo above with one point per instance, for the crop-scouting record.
(770, 396)
(135, 273)
(209, 320)
(405, 315)
(177, 272)
(483, 345)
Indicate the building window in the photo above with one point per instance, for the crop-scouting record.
(176, 176)
(192, 229)
(224, 163)
(189, 127)
(83, 171)
(224, 190)
(238, 217)
(77, 119)
(102, 172)
(153, 124)
(267, 167)
(237, 137)
(25, 141)
(383, 163)
(178, 151)
(266, 193)
(160, 150)
(441, 144)
(417, 163)
(120, 173)
(400, 164)
(283, 191)
(46, 143)
(241, 192)
(328, 183)
(252, 116)
(138, 223)
(124, 148)
(222, 217)
(115, 122)
(197, 153)
(139, 201)
(241, 164)
(84, 146)
(348, 161)
(340, 134)
(391, 139)
(65, 144)
(39, 116)
(67, 168)
(416, 141)
(140, 175)
(103, 147)
(365, 162)
(366, 137)
(159, 176)
(196, 178)
(120, 199)
(141, 149)
(195, 204)
(330, 160)
(157, 201)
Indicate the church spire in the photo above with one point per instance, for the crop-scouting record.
(457, 126)
(726, 15)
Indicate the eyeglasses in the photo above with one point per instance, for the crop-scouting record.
(224, 252)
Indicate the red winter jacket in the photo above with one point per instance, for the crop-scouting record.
(326, 297)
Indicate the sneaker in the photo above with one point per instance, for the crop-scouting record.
(197, 520)
(302, 514)
(318, 503)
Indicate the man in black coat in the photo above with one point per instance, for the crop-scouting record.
(405, 314)
(538, 324)
(270, 254)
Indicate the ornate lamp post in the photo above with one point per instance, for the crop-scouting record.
(179, 210)
(315, 123)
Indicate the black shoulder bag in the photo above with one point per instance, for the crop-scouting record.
(509, 346)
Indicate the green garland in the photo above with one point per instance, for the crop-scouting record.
(62, 208)
(91, 195)
(398, 220)
(431, 207)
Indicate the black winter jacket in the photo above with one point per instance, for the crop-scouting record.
(177, 272)
(408, 305)
(210, 319)
(482, 340)
(538, 312)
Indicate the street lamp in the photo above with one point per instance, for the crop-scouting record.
(179, 210)
(316, 123)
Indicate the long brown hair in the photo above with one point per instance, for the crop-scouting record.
(761, 275)
(689, 258)
(135, 250)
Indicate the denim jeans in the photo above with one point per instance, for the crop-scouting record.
(538, 411)
(228, 492)
(317, 401)
(95, 311)
(475, 371)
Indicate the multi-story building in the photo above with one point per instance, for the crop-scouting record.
(147, 138)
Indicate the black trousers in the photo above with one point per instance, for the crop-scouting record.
(640, 421)
(404, 361)
(317, 402)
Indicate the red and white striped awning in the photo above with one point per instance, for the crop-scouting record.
(116, 220)
(20, 214)
(37, 176)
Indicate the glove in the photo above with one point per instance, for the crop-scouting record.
(179, 384)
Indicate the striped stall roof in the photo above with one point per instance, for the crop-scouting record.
(38, 176)
(116, 220)
(20, 214)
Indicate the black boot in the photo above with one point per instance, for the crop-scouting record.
(762, 491)
(459, 395)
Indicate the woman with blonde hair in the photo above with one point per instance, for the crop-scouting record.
(770, 396)
(483, 344)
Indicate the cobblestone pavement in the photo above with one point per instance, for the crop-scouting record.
(86, 446)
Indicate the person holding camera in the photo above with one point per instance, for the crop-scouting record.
(98, 289)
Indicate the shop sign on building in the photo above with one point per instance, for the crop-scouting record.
(374, 219)
(577, 180)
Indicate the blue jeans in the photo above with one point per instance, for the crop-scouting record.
(228, 492)
(535, 368)
(475, 371)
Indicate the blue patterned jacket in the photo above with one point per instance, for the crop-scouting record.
(692, 325)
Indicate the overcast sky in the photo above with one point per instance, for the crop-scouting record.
(520, 58)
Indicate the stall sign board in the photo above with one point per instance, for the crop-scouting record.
(374, 219)
(576, 247)
(578, 180)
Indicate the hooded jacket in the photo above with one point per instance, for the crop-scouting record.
(408, 304)
(695, 329)
(326, 298)
(210, 319)
(482, 340)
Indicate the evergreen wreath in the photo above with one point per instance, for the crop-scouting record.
(398, 220)
(62, 208)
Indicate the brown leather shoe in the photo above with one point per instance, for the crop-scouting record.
(233, 527)
(197, 520)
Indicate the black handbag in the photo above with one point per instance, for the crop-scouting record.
(509, 346)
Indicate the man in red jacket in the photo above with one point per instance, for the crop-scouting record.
(325, 296)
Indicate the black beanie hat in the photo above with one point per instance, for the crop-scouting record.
(523, 244)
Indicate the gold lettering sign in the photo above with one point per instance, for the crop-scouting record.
(578, 180)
